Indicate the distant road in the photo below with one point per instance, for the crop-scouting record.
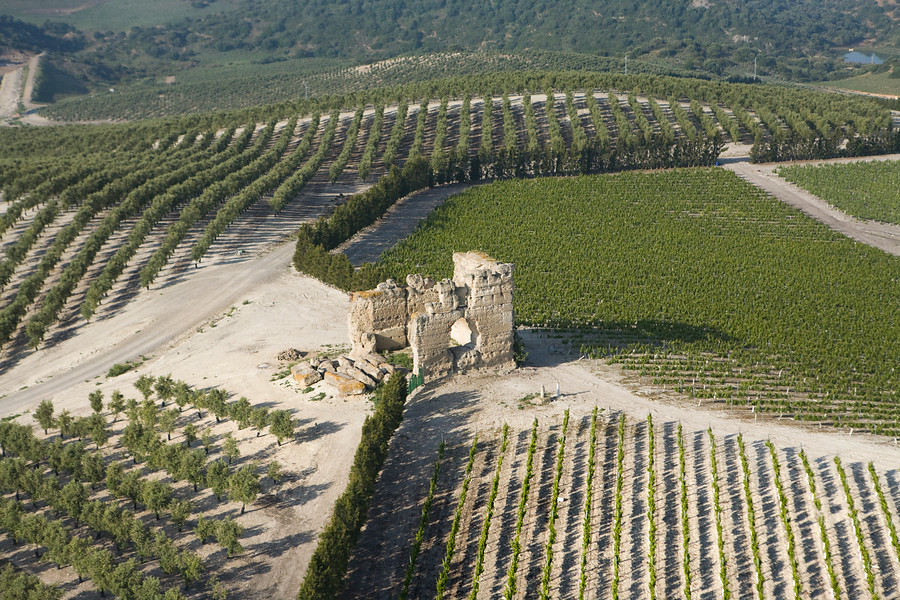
(883, 236)
(28, 92)
(10, 92)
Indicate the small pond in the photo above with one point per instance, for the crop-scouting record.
(859, 57)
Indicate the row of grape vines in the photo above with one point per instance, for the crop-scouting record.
(201, 181)
(748, 519)
(716, 321)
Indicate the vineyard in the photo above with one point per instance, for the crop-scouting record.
(596, 505)
(171, 493)
(717, 296)
(864, 190)
(92, 215)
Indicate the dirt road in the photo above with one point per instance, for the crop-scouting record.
(10, 92)
(28, 92)
(150, 323)
(879, 235)
(398, 222)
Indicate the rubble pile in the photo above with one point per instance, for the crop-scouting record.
(348, 375)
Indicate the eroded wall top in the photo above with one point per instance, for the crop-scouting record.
(452, 325)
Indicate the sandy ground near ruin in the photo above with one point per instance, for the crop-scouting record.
(585, 383)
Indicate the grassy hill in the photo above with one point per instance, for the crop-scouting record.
(123, 40)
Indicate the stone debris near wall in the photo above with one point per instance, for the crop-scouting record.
(348, 376)
(452, 326)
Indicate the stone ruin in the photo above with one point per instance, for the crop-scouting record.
(452, 326)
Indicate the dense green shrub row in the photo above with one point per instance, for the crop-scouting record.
(329, 561)
(368, 156)
(337, 167)
(246, 168)
(312, 255)
(135, 186)
(205, 173)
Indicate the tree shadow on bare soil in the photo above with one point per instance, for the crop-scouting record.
(317, 430)
(572, 528)
(771, 520)
(603, 530)
(802, 520)
(704, 518)
(671, 500)
(278, 547)
(507, 514)
(638, 511)
(869, 515)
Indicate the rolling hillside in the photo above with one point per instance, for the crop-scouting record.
(119, 41)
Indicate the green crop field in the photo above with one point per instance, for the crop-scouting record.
(172, 187)
(867, 190)
(694, 278)
(872, 83)
(112, 15)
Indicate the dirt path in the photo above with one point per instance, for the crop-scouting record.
(144, 327)
(28, 92)
(10, 92)
(16, 88)
(879, 235)
(398, 222)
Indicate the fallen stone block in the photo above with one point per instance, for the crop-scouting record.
(370, 370)
(361, 377)
(305, 375)
(344, 384)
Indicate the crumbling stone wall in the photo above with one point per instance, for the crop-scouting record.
(475, 308)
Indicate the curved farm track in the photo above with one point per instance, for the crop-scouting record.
(884, 236)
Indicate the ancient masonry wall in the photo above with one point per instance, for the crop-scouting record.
(452, 326)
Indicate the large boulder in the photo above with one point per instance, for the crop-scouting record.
(305, 375)
(344, 384)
